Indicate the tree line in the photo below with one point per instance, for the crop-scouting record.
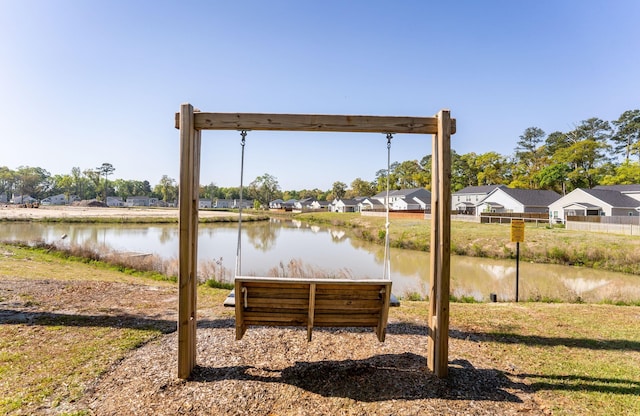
(83, 183)
(594, 152)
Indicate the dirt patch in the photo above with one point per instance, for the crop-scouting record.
(14, 212)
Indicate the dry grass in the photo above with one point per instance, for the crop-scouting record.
(619, 253)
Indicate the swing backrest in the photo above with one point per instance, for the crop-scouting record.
(269, 301)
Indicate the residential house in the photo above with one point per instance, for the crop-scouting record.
(141, 201)
(465, 200)
(229, 204)
(406, 199)
(344, 205)
(205, 203)
(504, 199)
(371, 204)
(115, 201)
(289, 204)
(302, 204)
(222, 203)
(630, 190)
(23, 199)
(246, 203)
(585, 202)
(60, 199)
(276, 204)
(320, 205)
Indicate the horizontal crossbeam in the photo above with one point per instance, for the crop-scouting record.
(315, 122)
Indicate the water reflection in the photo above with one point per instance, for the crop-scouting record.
(332, 251)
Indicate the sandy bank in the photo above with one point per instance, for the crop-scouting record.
(10, 212)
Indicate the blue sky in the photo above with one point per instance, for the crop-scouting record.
(85, 82)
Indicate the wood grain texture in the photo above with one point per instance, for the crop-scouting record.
(314, 122)
(312, 303)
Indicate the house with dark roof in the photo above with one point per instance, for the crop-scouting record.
(344, 205)
(504, 199)
(320, 205)
(584, 202)
(406, 199)
(276, 203)
(465, 200)
(304, 203)
(371, 204)
(630, 190)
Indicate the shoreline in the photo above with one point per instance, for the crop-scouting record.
(61, 213)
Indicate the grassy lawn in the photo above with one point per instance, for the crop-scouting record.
(542, 244)
(578, 359)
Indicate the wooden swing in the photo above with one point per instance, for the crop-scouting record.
(318, 302)
(285, 301)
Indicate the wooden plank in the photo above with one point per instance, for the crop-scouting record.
(186, 313)
(350, 304)
(381, 330)
(438, 337)
(282, 303)
(277, 285)
(239, 298)
(327, 303)
(311, 310)
(346, 321)
(194, 205)
(275, 319)
(292, 281)
(371, 295)
(278, 292)
(314, 122)
(346, 288)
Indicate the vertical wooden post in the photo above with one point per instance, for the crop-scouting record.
(438, 340)
(188, 240)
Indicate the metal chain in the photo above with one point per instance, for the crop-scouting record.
(243, 134)
(387, 249)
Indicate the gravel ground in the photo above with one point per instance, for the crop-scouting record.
(271, 371)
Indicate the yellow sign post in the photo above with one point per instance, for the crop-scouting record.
(517, 236)
(517, 230)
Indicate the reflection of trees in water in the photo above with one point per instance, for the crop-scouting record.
(403, 262)
(262, 236)
(167, 234)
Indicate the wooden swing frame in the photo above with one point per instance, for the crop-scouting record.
(191, 123)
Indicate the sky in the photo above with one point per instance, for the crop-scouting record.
(89, 82)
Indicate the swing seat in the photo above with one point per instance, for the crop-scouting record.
(274, 301)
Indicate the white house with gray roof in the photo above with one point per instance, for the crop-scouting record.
(630, 190)
(504, 199)
(344, 205)
(371, 204)
(465, 200)
(406, 199)
(584, 202)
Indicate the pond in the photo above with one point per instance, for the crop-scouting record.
(286, 247)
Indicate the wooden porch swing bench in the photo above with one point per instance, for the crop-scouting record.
(272, 301)
(314, 303)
